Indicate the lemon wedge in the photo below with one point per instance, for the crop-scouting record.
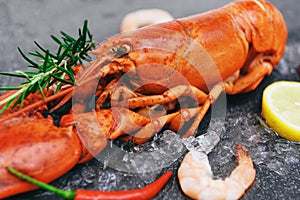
(281, 108)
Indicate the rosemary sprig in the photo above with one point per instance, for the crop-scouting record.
(51, 68)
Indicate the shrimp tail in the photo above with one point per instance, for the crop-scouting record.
(242, 156)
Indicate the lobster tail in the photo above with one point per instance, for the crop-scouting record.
(263, 26)
(280, 28)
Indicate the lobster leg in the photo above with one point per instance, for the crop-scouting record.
(126, 121)
(153, 127)
(175, 119)
(200, 112)
(249, 81)
(121, 92)
(167, 97)
(213, 95)
(107, 91)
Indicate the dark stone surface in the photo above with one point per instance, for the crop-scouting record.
(23, 22)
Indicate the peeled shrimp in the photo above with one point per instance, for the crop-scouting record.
(143, 17)
(195, 177)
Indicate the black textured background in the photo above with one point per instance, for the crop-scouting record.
(22, 22)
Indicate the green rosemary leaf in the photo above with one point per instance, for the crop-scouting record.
(25, 83)
(69, 72)
(77, 45)
(46, 60)
(7, 105)
(62, 80)
(59, 84)
(45, 50)
(31, 72)
(37, 54)
(51, 68)
(64, 54)
(35, 65)
(40, 46)
(58, 87)
(56, 40)
(47, 83)
(43, 84)
(32, 88)
(41, 89)
(9, 88)
(81, 62)
(25, 75)
(21, 100)
(89, 34)
(82, 40)
(71, 75)
(13, 74)
(85, 28)
(58, 51)
(67, 37)
(12, 97)
(73, 61)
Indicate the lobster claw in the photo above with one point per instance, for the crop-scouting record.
(35, 147)
(92, 128)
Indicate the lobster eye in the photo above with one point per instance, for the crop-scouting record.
(126, 46)
(122, 50)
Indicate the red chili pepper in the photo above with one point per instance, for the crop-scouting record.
(146, 192)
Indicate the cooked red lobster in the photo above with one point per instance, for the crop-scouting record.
(198, 57)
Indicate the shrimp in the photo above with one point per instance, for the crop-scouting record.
(143, 17)
(195, 177)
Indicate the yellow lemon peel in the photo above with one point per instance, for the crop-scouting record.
(281, 108)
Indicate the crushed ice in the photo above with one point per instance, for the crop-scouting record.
(265, 147)
(203, 143)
